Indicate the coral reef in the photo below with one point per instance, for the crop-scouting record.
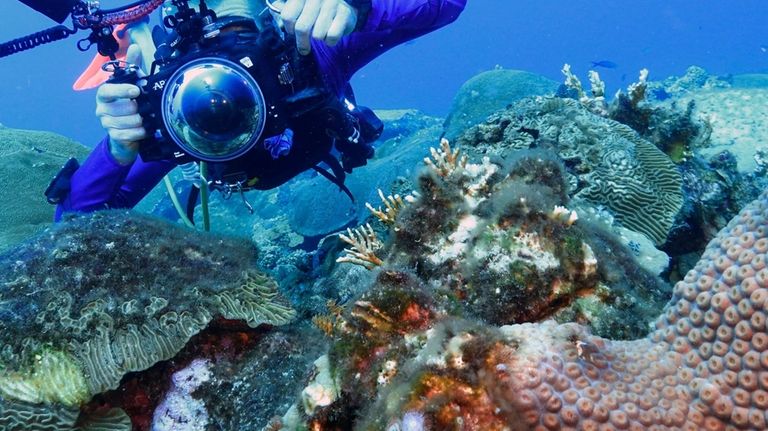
(676, 132)
(364, 246)
(28, 161)
(324, 209)
(595, 101)
(720, 167)
(607, 163)
(246, 392)
(489, 237)
(401, 354)
(692, 119)
(695, 79)
(295, 226)
(431, 326)
(392, 206)
(100, 296)
(490, 91)
(700, 369)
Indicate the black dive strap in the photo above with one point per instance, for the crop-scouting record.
(58, 189)
(337, 176)
(57, 10)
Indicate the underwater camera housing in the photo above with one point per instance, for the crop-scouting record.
(222, 88)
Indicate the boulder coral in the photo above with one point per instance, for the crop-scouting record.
(490, 91)
(28, 161)
(100, 296)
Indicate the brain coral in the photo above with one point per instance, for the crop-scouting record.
(608, 163)
(705, 366)
(99, 296)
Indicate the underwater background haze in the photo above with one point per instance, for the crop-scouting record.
(664, 36)
(562, 225)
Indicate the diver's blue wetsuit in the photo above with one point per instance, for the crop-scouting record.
(102, 183)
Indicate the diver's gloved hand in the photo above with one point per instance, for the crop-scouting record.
(326, 20)
(119, 114)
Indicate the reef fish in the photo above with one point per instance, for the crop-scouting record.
(605, 63)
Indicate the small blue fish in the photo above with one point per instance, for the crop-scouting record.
(605, 63)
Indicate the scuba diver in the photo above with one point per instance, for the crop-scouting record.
(221, 87)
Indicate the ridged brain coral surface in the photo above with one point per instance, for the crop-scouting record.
(704, 367)
(609, 164)
(638, 183)
(106, 294)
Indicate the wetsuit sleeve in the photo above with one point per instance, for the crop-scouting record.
(390, 23)
(102, 183)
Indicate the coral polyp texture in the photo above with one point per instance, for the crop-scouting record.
(704, 367)
(103, 295)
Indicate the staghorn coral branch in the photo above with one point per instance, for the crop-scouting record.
(597, 84)
(572, 81)
(637, 90)
(445, 161)
(595, 103)
(392, 206)
(364, 245)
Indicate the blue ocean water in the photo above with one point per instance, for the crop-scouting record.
(665, 36)
(554, 210)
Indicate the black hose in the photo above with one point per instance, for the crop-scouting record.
(57, 10)
(192, 203)
(52, 34)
